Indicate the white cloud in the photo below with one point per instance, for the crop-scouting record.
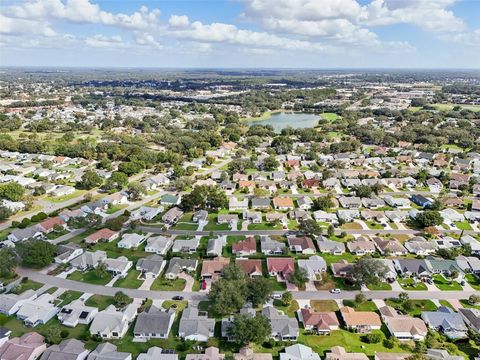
(105, 42)
(12, 26)
(179, 21)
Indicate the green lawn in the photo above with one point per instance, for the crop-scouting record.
(409, 284)
(289, 310)
(69, 296)
(113, 251)
(324, 305)
(162, 284)
(351, 341)
(26, 285)
(414, 307)
(473, 281)
(89, 277)
(131, 281)
(329, 258)
(444, 284)
(463, 225)
(373, 225)
(213, 226)
(330, 117)
(265, 226)
(179, 305)
(60, 199)
(381, 286)
(445, 303)
(368, 305)
(185, 226)
(99, 301)
(277, 285)
(116, 208)
(465, 304)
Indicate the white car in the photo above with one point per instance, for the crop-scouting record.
(335, 291)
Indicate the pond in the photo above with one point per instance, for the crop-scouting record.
(296, 120)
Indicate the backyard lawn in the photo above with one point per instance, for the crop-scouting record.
(162, 284)
(131, 281)
(444, 284)
(90, 277)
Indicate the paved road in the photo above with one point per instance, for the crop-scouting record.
(313, 195)
(68, 236)
(299, 295)
(158, 230)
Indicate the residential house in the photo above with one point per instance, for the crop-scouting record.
(147, 213)
(320, 322)
(342, 269)
(231, 219)
(215, 246)
(299, 352)
(70, 349)
(172, 216)
(283, 327)
(170, 200)
(76, 313)
(245, 247)
(283, 203)
(299, 215)
(280, 267)
(396, 202)
(158, 245)
(150, 266)
(474, 244)
(89, 260)
(304, 203)
(194, 326)
(301, 245)
(154, 324)
(30, 232)
(66, 253)
(235, 204)
(27, 347)
(397, 216)
(212, 269)
(187, 246)
(403, 327)
(314, 266)
(373, 203)
(391, 356)
(51, 224)
(211, 353)
(361, 246)
(107, 351)
(104, 234)
(178, 265)
(200, 216)
(339, 353)
(118, 267)
(112, 323)
(446, 321)
(246, 353)
(251, 267)
(350, 202)
(450, 216)
(38, 311)
(271, 247)
(254, 217)
(413, 267)
(261, 203)
(437, 354)
(327, 246)
(471, 317)
(444, 266)
(348, 215)
(323, 216)
(420, 246)
(421, 201)
(156, 353)
(360, 321)
(389, 247)
(11, 303)
(447, 242)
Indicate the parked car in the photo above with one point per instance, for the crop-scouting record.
(177, 297)
(335, 291)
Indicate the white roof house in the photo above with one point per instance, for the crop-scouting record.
(111, 323)
(131, 241)
(76, 313)
(10, 303)
(158, 245)
(299, 352)
(38, 311)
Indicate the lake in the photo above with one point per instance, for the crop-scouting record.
(296, 120)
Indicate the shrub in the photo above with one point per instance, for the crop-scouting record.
(389, 343)
(371, 338)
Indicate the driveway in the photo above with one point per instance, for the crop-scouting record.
(189, 281)
(147, 283)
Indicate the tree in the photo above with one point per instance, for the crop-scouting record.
(233, 272)
(117, 181)
(403, 296)
(331, 230)
(12, 191)
(372, 338)
(121, 299)
(360, 298)
(8, 263)
(5, 213)
(247, 329)
(259, 291)
(310, 227)
(259, 192)
(53, 335)
(299, 277)
(429, 218)
(116, 224)
(136, 191)
(101, 270)
(323, 203)
(270, 163)
(363, 191)
(90, 180)
(205, 197)
(287, 298)
(368, 271)
(474, 299)
(227, 297)
(36, 253)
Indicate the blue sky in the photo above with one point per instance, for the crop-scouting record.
(241, 33)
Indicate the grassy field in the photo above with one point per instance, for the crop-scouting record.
(473, 281)
(131, 281)
(115, 208)
(381, 286)
(368, 305)
(288, 310)
(444, 284)
(414, 307)
(330, 117)
(89, 277)
(69, 296)
(463, 225)
(161, 284)
(324, 305)
(99, 301)
(409, 284)
(60, 199)
(26, 285)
